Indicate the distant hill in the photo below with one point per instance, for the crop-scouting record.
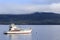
(37, 18)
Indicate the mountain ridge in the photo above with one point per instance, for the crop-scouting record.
(37, 18)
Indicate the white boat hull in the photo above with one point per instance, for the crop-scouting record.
(19, 32)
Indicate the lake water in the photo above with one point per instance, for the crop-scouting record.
(39, 32)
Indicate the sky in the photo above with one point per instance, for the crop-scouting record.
(29, 6)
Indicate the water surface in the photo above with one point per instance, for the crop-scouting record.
(39, 32)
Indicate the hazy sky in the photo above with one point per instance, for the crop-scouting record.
(29, 6)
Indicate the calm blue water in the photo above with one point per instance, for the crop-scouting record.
(39, 32)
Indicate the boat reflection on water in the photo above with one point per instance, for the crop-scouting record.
(20, 36)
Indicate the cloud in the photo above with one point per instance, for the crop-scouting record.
(20, 9)
(27, 9)
(55, 7)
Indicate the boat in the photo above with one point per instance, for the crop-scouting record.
(14, 30)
